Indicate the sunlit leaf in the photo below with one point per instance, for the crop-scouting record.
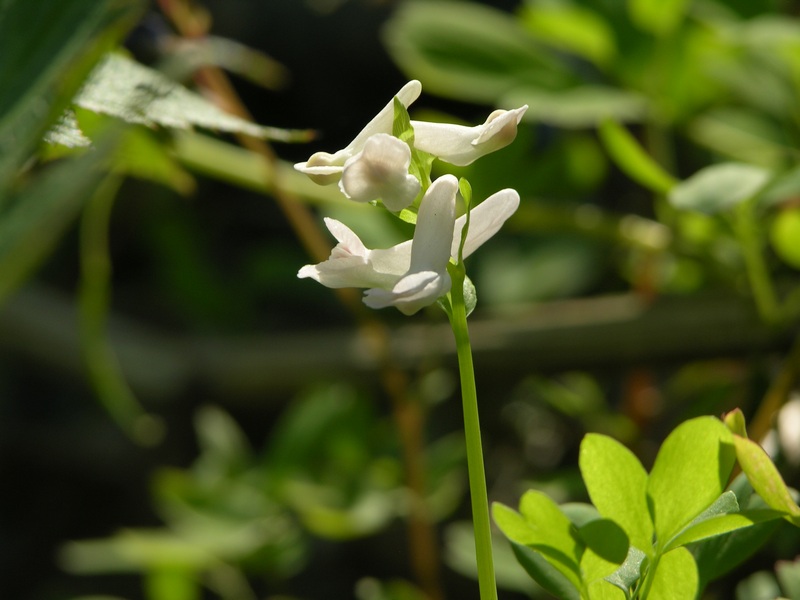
(675, 578)
(765, 478)
(690, 472)
(130, 91)
(617, 485)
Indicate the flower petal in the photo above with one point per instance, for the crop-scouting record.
(380, 170)
(325, 168)
(485, 220)
(433, 236)
(351, 263)
(411, 293)
(460, 145)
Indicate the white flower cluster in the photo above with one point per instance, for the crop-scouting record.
(376, 165)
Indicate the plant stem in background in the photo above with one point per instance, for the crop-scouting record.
(746, 228)
(472, 432)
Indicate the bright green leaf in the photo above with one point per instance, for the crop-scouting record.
(719, 187)
(172, 583)
(690, 472)
(720, 525)
(603, 590)
(785, 234)
(675, 578)
(617, 486)
(765, 478)
(659, 17)
(629, 156)
(734, 420)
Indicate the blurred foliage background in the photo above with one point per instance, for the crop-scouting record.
(183, 418)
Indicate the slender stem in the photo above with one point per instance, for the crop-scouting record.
(746, 227)
(472, 431)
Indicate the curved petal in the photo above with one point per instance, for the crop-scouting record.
(351, 263)
(460, 145)
(486, 219)
(380, 170)
(325, 168)
(433, 236)
(411, 293)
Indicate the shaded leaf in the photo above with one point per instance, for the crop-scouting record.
(606, 549)
(629, 572)
(543, 573)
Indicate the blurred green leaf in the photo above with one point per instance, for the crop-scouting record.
(578, 106)
(718, 187)
(480, 55)
(660, 17)
(617, 484)
(788, 573)
(571, 28)
(40, 73)
(784, 235)
(761, 585)
(165, 583)
(629, 155)
(547, 576)
(690, 472)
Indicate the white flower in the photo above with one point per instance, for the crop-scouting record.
(460, 145)
(380, 170)
(324, 168)
(413, 274)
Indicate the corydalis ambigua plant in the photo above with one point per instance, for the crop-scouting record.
(389, 162)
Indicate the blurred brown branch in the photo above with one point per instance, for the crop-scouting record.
(598, 332)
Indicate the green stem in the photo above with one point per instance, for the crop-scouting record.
(746, 227)
(472, 431)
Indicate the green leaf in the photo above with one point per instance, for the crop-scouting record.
(784, 234)
(719, 187)
(545, 574)
(734, 420)
(603, 590)
(470, 296)
(481, 54)
(606, 549)
(690, 472)
(629, 572)
(172, 583)
(788, 573)
(541, 525)
(578, 106)
(675, 578)
(617, 486)
(629, 156)
(571, 28)
(721, 525)
(130, 91)
(765, 478)
(41, 70)
(659, 17)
